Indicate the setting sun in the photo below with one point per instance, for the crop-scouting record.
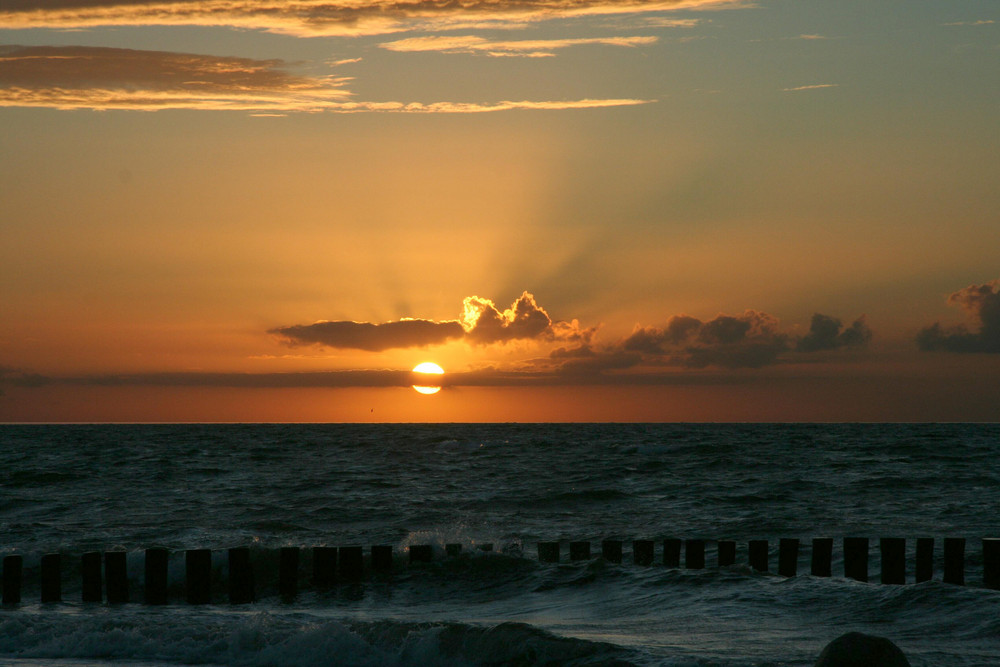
(428, 368)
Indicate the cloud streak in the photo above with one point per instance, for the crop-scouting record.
(309, 18)
(982, 305)
(78, 77)
(534, 48)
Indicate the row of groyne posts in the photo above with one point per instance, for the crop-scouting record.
(107, 572)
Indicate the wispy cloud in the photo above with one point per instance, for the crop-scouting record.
(815, 86)
(328, 17)
(535, 48)
(984, 22)
(77, 77)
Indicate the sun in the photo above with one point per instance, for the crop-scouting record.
(428, 369)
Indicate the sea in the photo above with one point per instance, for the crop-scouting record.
(73, 489)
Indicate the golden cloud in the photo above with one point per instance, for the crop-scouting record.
(530, 48)
(309, 18)
(79, 77)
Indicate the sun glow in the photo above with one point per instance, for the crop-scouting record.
(428, 369)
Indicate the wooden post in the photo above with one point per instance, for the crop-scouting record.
(822, 557)
(642, 552)
(893, 551)
(758, 555)
(694, 554)
(579, 550)
(198, 576)
(727, 553)
(672, 552)
(324, 566)
(788, 556)
(13, 567)
(954, 561)
(90, 574)
(51, 578)
(548, 552)
(352, 563)
(856, 558)
(382, 558)
(925, 559)
(421, 553)
(156, 575)
(116, 576)
(611, 550)
(241, 589)
(991, 562)
(453, 550)
(288, 573)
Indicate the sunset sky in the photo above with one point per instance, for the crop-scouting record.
(583, 210)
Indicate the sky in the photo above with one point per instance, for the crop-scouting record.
(582, 210)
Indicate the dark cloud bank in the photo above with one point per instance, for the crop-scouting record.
(982, 305)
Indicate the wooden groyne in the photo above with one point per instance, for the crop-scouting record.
(104, 575)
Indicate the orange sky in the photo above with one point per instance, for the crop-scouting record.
(650, 210)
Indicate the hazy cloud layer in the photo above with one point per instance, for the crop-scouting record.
(482, 322)
(536, 48)
(309, 18)
(982, 305)
(77, 77)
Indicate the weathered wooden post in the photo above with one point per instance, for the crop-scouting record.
(642, 552)
(421, 553)
(611, 550)
(51, 575)
(822, 557)
(893, 550)
(90, 575)
(579, 550)
(856, 558)
(758, 555)
(925, 559)
(352, 563)
(991, 562)
(694, 554)
(324, 566)
(788, 556)
(954, 561)
(13, 567)
(727, 553)
(198, 576)
(672, 552)
(116, 576)
(288, 573)
(548, 552)
(156, 575)
(453, 550)
(241, 584)
(382, 558)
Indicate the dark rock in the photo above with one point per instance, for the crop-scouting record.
(859, 650)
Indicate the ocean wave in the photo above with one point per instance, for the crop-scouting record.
(261, 639)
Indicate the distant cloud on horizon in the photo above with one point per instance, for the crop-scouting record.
(982, 305)
(482, 322)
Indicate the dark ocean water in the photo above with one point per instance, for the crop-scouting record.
(73, 489)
